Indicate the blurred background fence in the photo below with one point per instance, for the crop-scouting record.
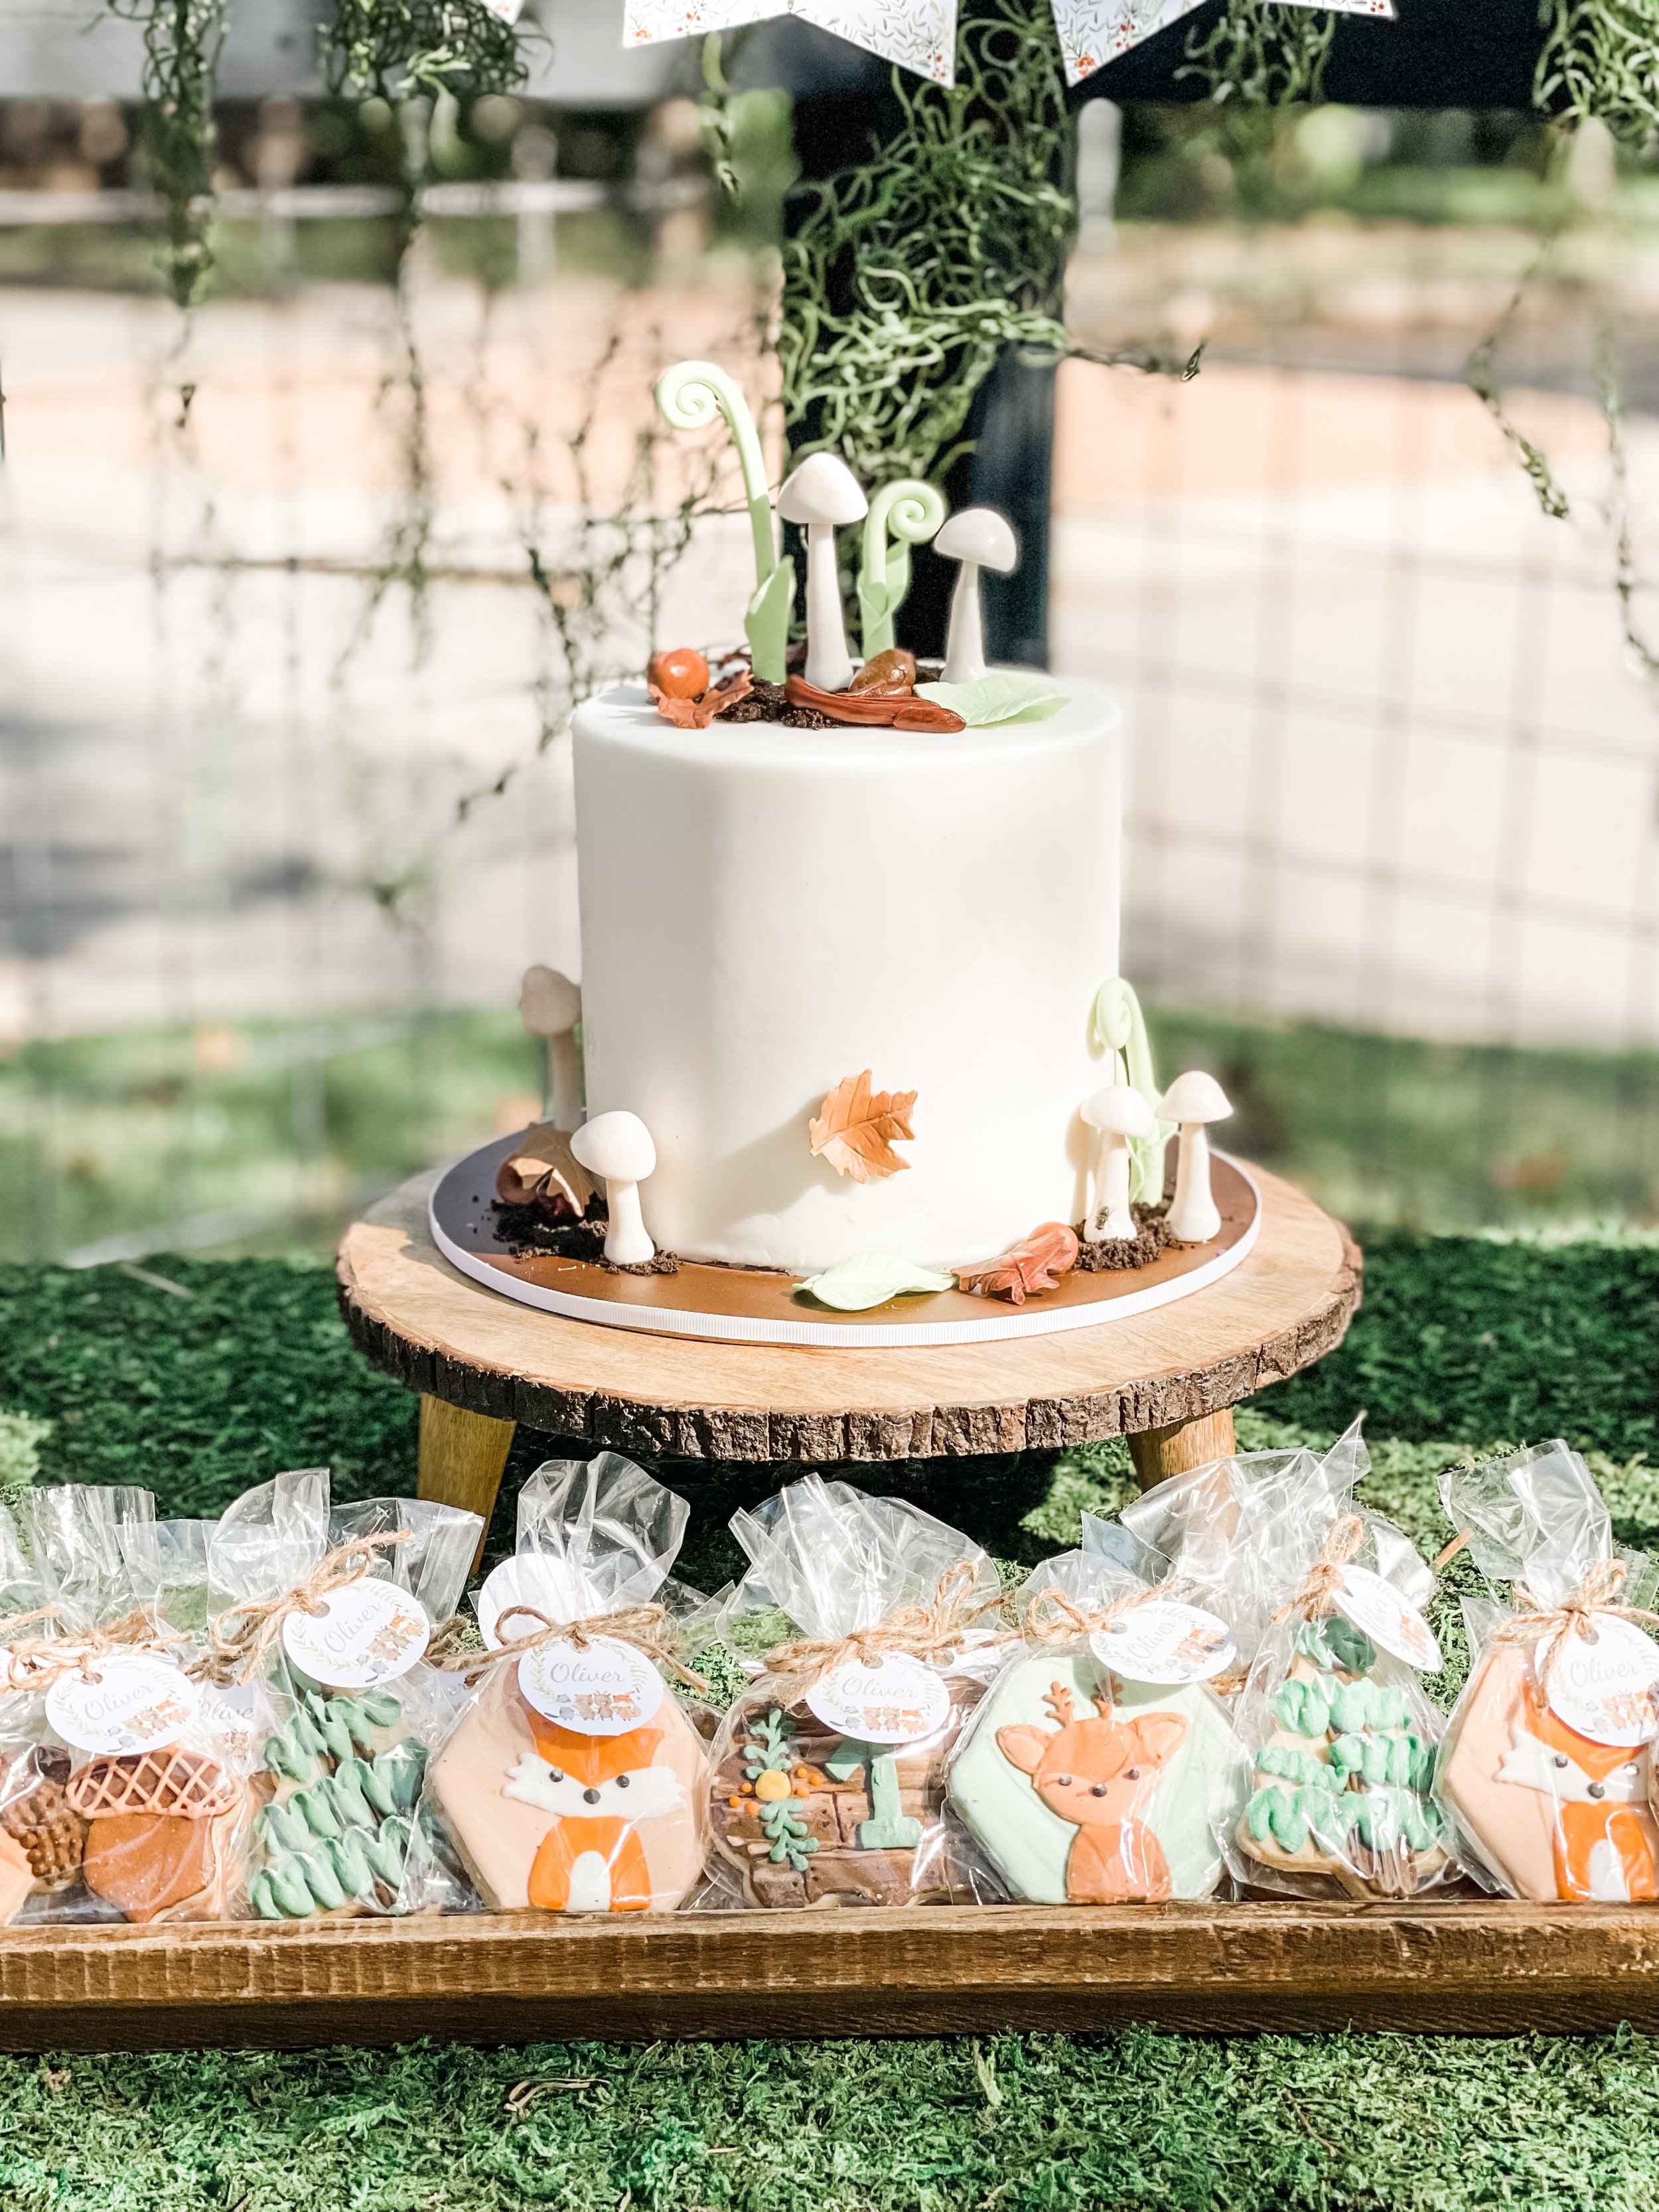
(296, 592)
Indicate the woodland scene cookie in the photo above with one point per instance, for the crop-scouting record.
(1340, 1791)
(1556, 1815)
(810, 1817)
(553, 1817)
(1084, 1788)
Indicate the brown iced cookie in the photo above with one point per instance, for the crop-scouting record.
(809, 1817)
(40, 1820)
(16, 1879)
(161, 1845)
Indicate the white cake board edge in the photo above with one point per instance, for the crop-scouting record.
(1029, 1320)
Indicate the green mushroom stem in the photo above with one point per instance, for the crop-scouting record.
(912, 511)
(690, 396)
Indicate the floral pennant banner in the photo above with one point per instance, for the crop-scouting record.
(921, 35)
(917, 34)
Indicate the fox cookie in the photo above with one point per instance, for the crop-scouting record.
(1340, 1799)
(809, 1817)
(1557, 1816)
(1085, 1789)
(550, 1817)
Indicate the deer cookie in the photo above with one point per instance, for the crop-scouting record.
(549, 1816)
(1557, 1816)
(1083, 1788)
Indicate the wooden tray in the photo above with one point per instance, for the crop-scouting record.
(1476, 1967)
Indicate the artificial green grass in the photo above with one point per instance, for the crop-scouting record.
(241, 1368)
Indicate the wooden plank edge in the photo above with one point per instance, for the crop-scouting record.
(1478, 1967)
(683, 1431)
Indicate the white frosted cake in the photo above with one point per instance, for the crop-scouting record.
(767, 910)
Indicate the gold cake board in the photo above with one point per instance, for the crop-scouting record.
(1166, 1379)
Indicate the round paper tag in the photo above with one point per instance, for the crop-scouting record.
(603, 1688)
(530, 1579)
(368, 1632)
(899, 1700)
(1608, 1690)
(1376, 1607)
(138, 1701)
(1164, 1641)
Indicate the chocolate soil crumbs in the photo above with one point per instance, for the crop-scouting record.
(1152, 1234)
(765, 702)
(526, 1232)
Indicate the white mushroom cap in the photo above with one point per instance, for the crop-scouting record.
(823, 489)
(1194, 1097)
(549, 1003)
(616, 1145)
(981, 535)
(1121, 1109)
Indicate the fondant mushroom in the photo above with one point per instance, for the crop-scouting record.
(618, 1147)
(979, 538)
(822, 496)
(1118, 1112)
(550, 1005)
(1194, 1100)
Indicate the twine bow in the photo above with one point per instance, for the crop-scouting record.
(1553, 1626)
(1323, 1580)
(1051, 1617)
(35, 1663)
(644, 1627)
(241, 1639)
(921, 1632)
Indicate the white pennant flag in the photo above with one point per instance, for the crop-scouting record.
(921, 35)
(1095, 32)
(918, 34)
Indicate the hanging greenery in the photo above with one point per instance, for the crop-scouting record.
(1263, 53)
(906, 277)
(393, 49)
(182, 38)
(1600, 59)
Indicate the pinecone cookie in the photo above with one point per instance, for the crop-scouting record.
(40, 1820)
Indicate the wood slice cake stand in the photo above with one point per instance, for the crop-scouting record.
(1166, 1379)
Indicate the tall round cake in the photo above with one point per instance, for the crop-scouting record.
(768, 912)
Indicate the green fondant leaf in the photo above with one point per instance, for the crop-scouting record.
(766, 623)
(997, 698)
(870, 1279)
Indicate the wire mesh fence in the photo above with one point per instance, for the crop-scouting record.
(297, 597)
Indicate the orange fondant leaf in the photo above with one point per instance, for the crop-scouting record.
(856, 1128)
(1035, 1264)
(698, 713)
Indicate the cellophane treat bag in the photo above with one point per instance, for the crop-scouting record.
(118, 1792)
(1324, 1603)
(574, 1780)
(829, 1769)
(338, 1708)
(1547, 1766)
(1099, 1766)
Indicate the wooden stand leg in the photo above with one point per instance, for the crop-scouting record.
(462, 1456)
(1158, 1453)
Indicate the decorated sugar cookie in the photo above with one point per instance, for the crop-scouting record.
(343, 1776)
(1343, 1773)
(1558, 1815)
(557, 1817)
(807, 1815)
(1084, 1788)
(162, 1832)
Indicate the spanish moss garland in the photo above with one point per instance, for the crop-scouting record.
(392, 49)
(906, 277)
(1600, 58)
(182, 38)
(1263, 53)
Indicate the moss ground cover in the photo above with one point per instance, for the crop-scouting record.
(200, 1377)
